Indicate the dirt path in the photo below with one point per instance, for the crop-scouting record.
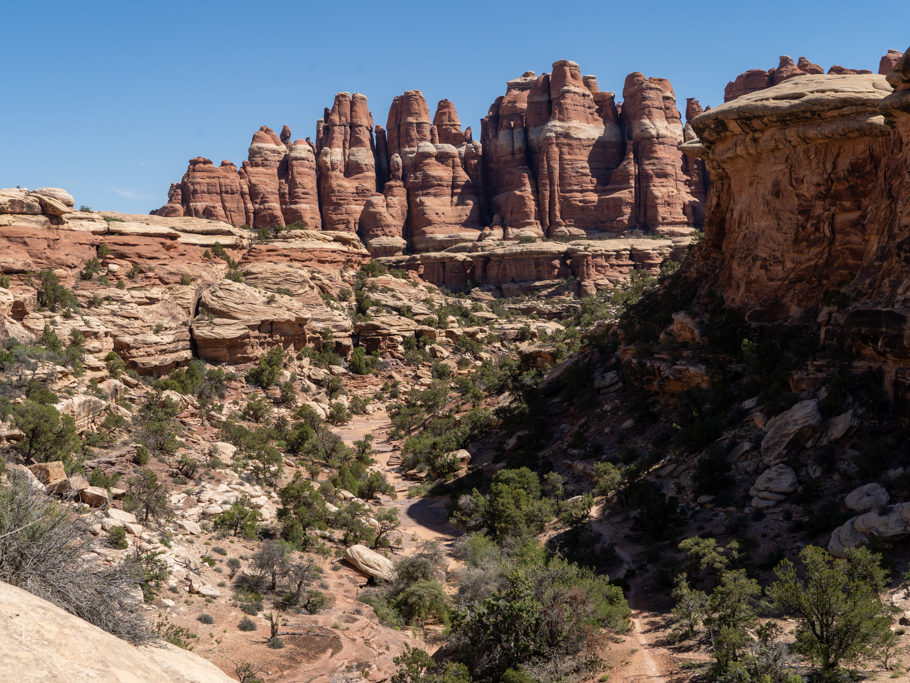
(648, 660)
(422, 519)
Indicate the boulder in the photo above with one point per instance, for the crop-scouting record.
(29, 477)
(773, 485)
(95, 496)
(52, 475)
(867, 497)
(790, 431)
(370, 562)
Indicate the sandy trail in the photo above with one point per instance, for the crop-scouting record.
(422, 519)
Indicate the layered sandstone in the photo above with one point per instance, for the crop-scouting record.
(518, 268)
(159, 296)
(785, 238)
(346, 161)
(443, 203)
(754, 80)
(275, 186)
(560, 158)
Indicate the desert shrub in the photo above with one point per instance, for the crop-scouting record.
(205, 619)
(514, 506)
(607, 478)
(362, 364)
(275, 643)
(247, 624)
(240, 519)
(338, 414)
(180, 636)
(416, 597)
(156, 426)
(315, 601)
(416, 666)
(43, 550)
(48, 434)
(116, 538)
(51, 294)
(838, 607)
(266, 372)
(195, 379)
(530, 609)
(302, 509)
(146, 496)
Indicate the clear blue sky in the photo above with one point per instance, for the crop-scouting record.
(110, 99)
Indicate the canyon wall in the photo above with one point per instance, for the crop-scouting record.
(557, 158)
(808, 216)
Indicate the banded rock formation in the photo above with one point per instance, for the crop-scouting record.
(758, 79)
(562, 159)
(836, 222)
(787, 238)
(275, 186)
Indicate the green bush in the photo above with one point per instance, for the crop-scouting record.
(247, 624)
(265, 374)
(116, 538)
(48, 434)
(240, 519)
(362, 364)
(205, 619)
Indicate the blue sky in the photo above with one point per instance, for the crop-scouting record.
(110, 99)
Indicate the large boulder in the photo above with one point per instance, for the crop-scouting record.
(773, 485)
(890, 522)
(52, 475)
(44, 643)
(867, 497)
(790, 431)
(370, 562)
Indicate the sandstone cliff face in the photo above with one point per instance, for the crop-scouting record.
(834, 222)
(788, 206)
(276, 186)
(560, 158)
(346, 161)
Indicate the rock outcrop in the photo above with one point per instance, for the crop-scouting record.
(276, 186)
(889, 61)
(44, 643)
(754, 80)
(443, 201)
(346, 161)
(824, 242)
(560, 158)
(785, 238)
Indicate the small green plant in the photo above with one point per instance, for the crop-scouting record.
(116, 538)
(247, 624)
(205, 619)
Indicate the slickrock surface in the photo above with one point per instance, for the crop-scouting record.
(44, 643)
